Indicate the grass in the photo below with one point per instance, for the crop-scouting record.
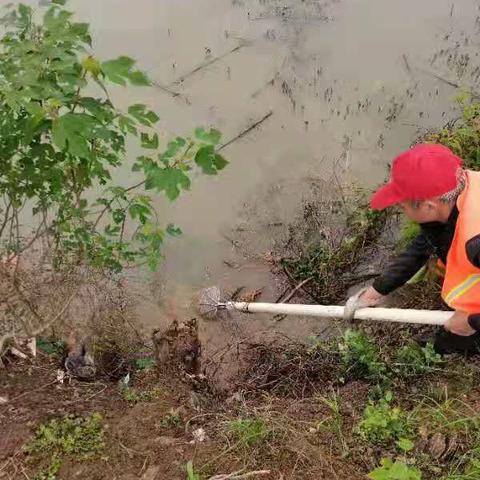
(328, 261)
(463, 135)
(334, 422)
(248, 432)
(136, 396)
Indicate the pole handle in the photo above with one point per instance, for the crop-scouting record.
(399, 315)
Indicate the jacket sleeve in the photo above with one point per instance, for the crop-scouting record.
(405, 266)
(473, 254)
(473, 250)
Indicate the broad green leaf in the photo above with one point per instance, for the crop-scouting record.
(212, 136)
(169, 180)
(173, 230)
(144, 116)
(405, 444)
(209, 161)
(138, 79)
(72, 132)
(219, 162)
(150, 142)
(120, 70)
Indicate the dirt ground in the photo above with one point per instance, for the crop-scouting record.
(311, 423)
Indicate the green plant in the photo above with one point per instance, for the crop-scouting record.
(328, 261)
(172, 419)
(451, 415)
(408, 232)
(335, 421)
(412, 360)
(382, 423)
(136, 396)
(191, 474)
(59, 143)
(463, 136)
(144, 363)
(51, 346)
(248, 432)
(468, 468)
(390, 470)
(70, 435)
(50, 473)
(360, 357)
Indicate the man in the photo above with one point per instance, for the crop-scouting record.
(428, 183)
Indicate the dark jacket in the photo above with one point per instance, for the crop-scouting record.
(435, 238)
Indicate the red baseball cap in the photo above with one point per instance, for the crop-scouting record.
(424, 171)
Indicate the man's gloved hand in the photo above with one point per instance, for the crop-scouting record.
(366, 297)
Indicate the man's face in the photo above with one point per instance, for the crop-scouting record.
(421, 212)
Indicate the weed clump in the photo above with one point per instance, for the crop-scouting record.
(70, 435)
(413, 360)
(383, 423)
(248, 432)
(81, 437)
(390, 470)
(360, 357)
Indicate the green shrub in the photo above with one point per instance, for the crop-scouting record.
(463, 137)
(360, 357)
(412, 360)
(382, 423)
(390, 470)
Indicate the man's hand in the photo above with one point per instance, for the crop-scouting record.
(458, 324)
(366, 297)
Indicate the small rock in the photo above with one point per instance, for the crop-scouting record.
(199, 435)
(3, 400)
(437, 445)
(60, 376)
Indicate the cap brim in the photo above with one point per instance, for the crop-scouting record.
(385, 197)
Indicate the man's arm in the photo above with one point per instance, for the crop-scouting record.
(405, 266)
(473, 253)
(400, 271)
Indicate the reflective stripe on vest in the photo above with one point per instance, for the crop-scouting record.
(461, 286)
(470, 282)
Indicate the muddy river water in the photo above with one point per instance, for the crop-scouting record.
(339, 87)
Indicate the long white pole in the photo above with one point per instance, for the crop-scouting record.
(425, 317)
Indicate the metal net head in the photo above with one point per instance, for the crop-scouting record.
(208, 300)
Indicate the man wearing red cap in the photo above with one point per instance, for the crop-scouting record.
(428, 183)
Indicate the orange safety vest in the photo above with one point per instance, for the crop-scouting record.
(461, 286)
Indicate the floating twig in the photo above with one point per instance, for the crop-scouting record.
(247, 130)
(165, 89)
(205, 65)
(448, 82)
